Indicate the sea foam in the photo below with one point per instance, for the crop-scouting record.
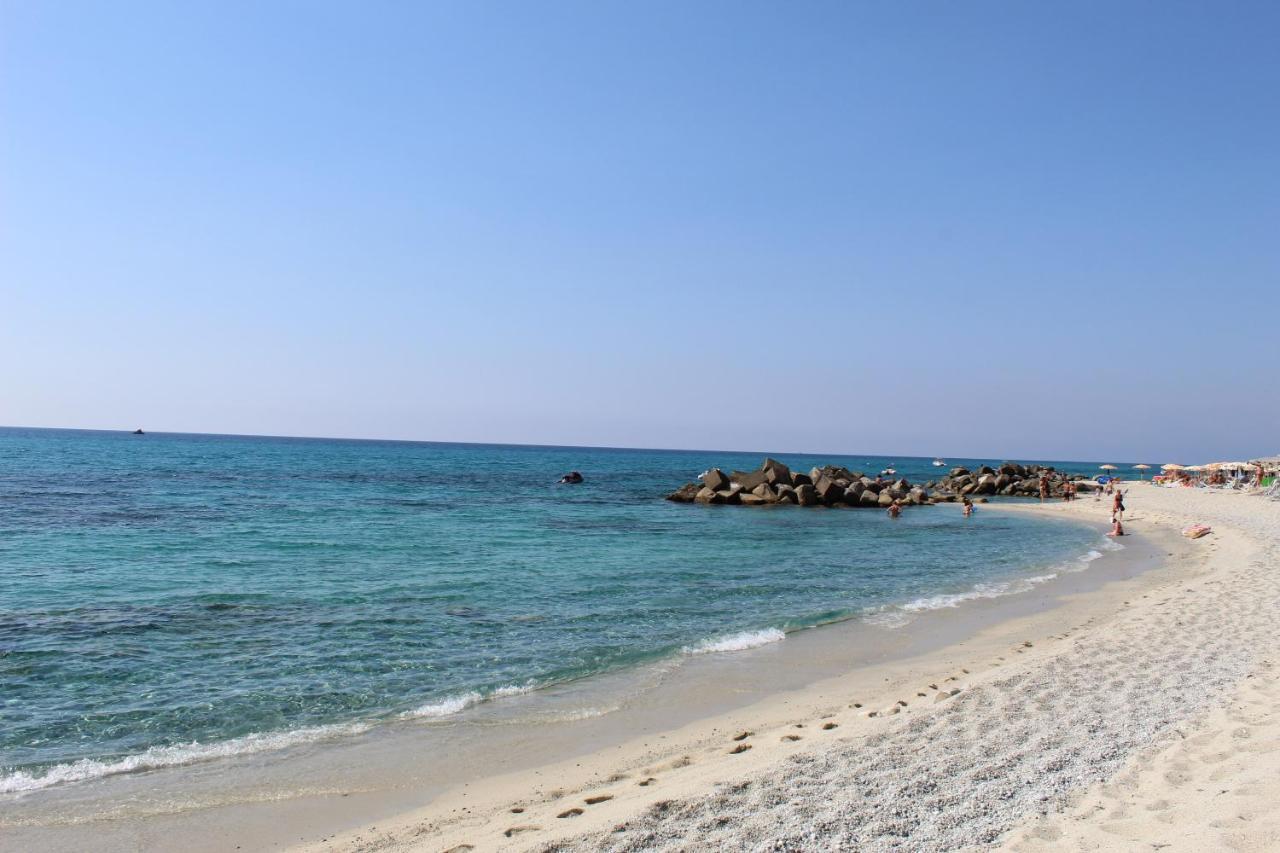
(171, 756)
(736, 642)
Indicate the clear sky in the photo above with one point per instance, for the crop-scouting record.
(1011, 229)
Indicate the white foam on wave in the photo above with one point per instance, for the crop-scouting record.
(892, 616)
(171, 756)
(736, 642)
(457, 703)
(938, 602)
(446, 706)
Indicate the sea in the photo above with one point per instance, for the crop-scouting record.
(177, 598)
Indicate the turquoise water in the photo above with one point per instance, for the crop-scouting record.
(166, 598)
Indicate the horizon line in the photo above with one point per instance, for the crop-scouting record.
(520, 444)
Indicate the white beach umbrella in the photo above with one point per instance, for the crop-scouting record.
(1140, 468)
(1171, 467)
(1108, 467)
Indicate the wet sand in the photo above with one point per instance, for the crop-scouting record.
(437, 786)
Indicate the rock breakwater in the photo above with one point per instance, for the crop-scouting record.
(774, 483)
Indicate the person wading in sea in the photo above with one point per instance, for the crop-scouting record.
(1044, 487)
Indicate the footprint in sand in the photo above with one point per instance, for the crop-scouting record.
(517, 810)
(573, 812)
(602, 798)
(791, 737)
(644, 783)
(826, 727)
(743, 735)
(516, 830)
(742, 747)
(461, 848)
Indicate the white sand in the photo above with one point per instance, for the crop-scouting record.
(1141, 716)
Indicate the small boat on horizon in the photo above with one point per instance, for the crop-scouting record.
(888, 472)
(139, 431)
(938, 463)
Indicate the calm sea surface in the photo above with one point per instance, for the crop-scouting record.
(169, 598)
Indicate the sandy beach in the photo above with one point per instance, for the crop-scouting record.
(1140, 715)
(1125, 704)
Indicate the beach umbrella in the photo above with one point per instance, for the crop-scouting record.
(1140, 467)
(1107, 467)
(1171, 467)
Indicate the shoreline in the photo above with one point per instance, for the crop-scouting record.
(665, 736)
(706, 791)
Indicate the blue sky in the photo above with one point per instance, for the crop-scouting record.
(936, 228)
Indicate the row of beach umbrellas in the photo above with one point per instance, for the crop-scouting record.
(1138, 467)
(1212, 466)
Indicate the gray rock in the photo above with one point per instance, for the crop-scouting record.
(685, 494)
(805, 495)
(715, 480)
(748, 479)
(828, 490)
(776, 473)
(765, 492)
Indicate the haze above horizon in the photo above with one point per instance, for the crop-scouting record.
(990, 230)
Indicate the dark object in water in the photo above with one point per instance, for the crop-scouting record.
(138, 432)
(571, 477)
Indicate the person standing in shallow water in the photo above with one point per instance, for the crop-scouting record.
(968, 506)
(1044, 487)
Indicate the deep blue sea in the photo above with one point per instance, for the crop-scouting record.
(168, 598)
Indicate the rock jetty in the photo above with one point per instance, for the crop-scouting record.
(775, 483)
(1010, 479)
(833, 485)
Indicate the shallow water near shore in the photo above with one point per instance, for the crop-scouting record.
(170, 600)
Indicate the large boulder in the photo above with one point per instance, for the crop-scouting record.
(805, 495)
(752, 499)
(776, 473)
(885, 499)
(828, 490)
(685, 494)
(853, 494)
(798, 479)
(707, 495)
(869, 498)
(959, 472)
(766, 493)
(731, 495)
(715, 480)
(748, 479)
(786, 494)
